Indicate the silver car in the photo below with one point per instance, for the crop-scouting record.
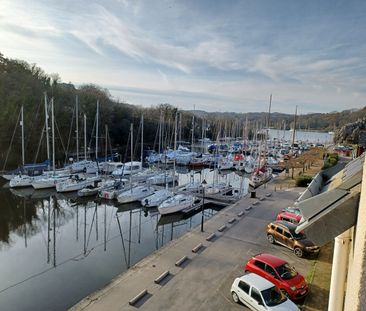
(259, 294)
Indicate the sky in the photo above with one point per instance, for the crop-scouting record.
(203, 54)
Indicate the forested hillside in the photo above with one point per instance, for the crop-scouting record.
(26, 84)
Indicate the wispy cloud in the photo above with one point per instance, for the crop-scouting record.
(204, 53)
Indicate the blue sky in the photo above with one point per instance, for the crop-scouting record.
(214, 55)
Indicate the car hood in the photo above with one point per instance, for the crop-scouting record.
(288, 305)
(298, 281)
(307, 242)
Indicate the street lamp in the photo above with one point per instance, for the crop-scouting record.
(203, 184)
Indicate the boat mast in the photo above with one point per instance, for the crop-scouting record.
(96, 132)
(22, 125)
(53, 135)
(267, 130)
(85, 137)
(175, 146)
(142, 140)
(77, 127)
(46, 126)
(131, 130)
(293, 133)
(106, 148)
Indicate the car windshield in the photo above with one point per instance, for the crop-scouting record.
(286, 272)
(298, 236)
(273, 296)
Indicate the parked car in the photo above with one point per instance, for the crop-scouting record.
(287, 215)
(280, 273)
(283, 232)
(259, 294)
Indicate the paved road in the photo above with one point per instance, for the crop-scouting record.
(204, 281)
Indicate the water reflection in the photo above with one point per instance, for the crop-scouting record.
(56, 249)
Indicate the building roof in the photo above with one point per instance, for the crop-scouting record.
(330, 203)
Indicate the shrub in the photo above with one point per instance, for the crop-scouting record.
(303, 181)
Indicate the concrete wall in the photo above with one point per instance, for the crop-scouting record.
(356, 281)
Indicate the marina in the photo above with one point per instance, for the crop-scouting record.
(60, 238)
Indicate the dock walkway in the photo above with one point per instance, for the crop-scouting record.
(209, 262)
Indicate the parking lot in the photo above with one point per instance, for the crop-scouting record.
(203, 281)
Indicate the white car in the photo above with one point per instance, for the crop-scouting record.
(259, 294)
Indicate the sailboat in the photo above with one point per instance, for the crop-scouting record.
(263, 172)
(134, 193)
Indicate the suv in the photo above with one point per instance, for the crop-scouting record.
(280, 273)
(259, 294)
(283, 232)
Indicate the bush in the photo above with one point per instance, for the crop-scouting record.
(331, 160)
(303, 181)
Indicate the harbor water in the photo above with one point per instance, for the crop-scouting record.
(56, 249)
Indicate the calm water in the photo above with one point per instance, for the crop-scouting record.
(55, 250)
(304, 136)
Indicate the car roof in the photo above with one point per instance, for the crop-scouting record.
(270, 259)
(257, 281)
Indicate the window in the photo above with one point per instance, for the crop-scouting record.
(244, 286)
(287, 234)
(279, 230)
(256, 295)
(270, 270)
(273, 227)
(259, 264)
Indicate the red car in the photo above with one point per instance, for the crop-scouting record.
(280, 273)
(290, 216)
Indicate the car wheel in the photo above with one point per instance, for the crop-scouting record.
(235, 297)
(284, 292)
(298, 252)
(270, 238)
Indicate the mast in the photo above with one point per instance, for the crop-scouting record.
(267, 130)
(175, 147)
(293, 133)
(106, 148)
(53, 136)
(22, 125)
(77, 127)
(96, 132)
(142, 140)
(194, 110)
(131, 130)
(85, 137)
(46, 126)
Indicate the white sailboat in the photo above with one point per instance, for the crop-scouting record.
(135, 194)
(157, 198)
(176, 204)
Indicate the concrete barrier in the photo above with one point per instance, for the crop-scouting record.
(255, 203)
(269, 194)
(262, 199)
(161, 277)
(181, 260)
(197, 248)
(231, 220)
(222, 228)
(211, 236)
(241, 214)
(248, 208)
(137, 297)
